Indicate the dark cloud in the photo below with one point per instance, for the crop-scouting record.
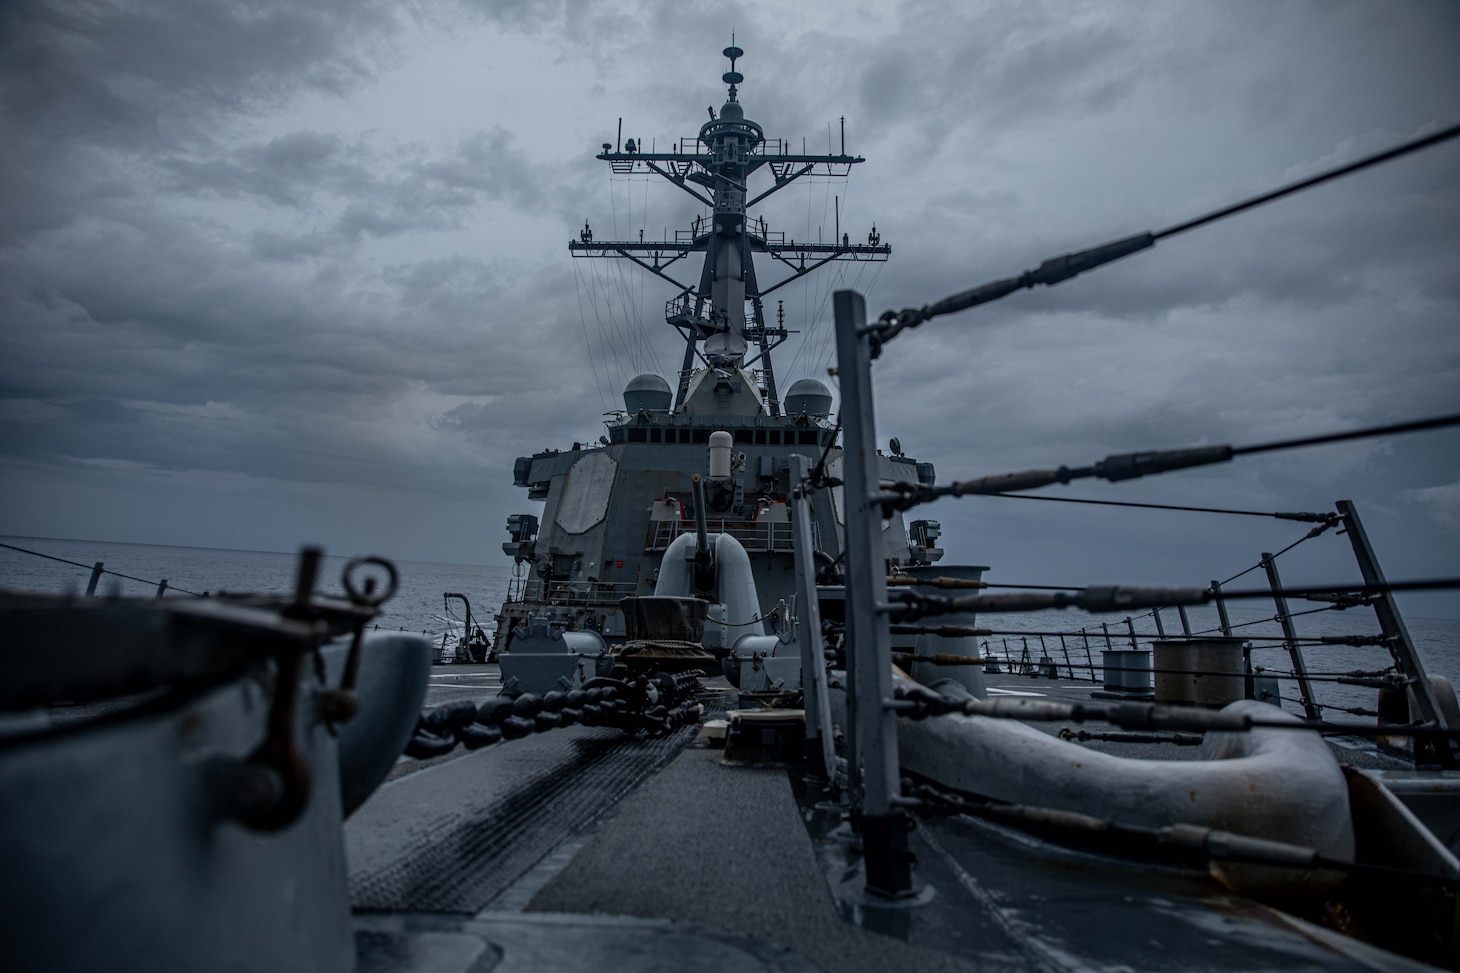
(234, 266)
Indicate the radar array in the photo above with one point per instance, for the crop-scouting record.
(725, 311)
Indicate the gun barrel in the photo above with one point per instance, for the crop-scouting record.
(702, 530)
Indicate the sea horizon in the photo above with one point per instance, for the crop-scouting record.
(328, 554)
(203, 547)
(420, 606)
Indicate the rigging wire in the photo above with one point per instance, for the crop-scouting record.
(620, 343)
(92, 567)
(625, 341)
(1443, 135)
(632, 307)
(1315, 532)
(609, 332)
(578, 286)
(633, 321)
(1067, 266)
(1274, 619)
(1128, 466)
(605, 348)
(1154, 506)
(1438, 422)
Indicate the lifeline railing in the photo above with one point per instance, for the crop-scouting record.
(763, 536)
(586, 593)
(98, 569)
(164, 587)
(1024, 659)
(874, 786)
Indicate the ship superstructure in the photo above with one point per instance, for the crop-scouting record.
(611, 510)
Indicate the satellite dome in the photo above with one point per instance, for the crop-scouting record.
(809, 397)
(647, 393)
(732, 112)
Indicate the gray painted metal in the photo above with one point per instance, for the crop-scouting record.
(820, 746)
(970, 677)
(735, 604)
(765, 663)
(808, 396)
(1198, 671)
(115, 824)
(647, 393)
(586, 493)
(391, 683)
(1401, 647)
(543, 657)
(869, 656)
(1126, 670)
(1283, 785)
(1222, 619)
(119, 851)
(1295, 652)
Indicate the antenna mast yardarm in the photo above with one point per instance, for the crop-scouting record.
(715, 168)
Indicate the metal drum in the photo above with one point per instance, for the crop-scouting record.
(970, 677)
(1127, 671)
(1175, 660)
(1199, 671)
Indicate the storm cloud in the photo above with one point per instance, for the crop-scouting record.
(272, 273)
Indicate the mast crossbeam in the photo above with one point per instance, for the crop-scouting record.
(725, 310)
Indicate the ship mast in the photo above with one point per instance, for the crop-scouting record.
(725, 311)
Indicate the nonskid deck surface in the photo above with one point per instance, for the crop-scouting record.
(734, 868)
(452, 837)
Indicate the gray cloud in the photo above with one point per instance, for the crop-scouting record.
(1443, 503)
(236, 264)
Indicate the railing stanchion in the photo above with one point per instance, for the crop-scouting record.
(884, 825)
(96, 573)
(1222, 619)
(1226, 626)
(1300, 669)
(1401, 648)
(820, 752)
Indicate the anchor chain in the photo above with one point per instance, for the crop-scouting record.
(655, 705)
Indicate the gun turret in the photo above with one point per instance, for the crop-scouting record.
(704, 555)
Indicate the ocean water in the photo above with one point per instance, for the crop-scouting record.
(418, 607)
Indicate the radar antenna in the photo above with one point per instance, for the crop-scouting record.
(725, 310)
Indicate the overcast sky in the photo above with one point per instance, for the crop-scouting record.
(274, 272)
